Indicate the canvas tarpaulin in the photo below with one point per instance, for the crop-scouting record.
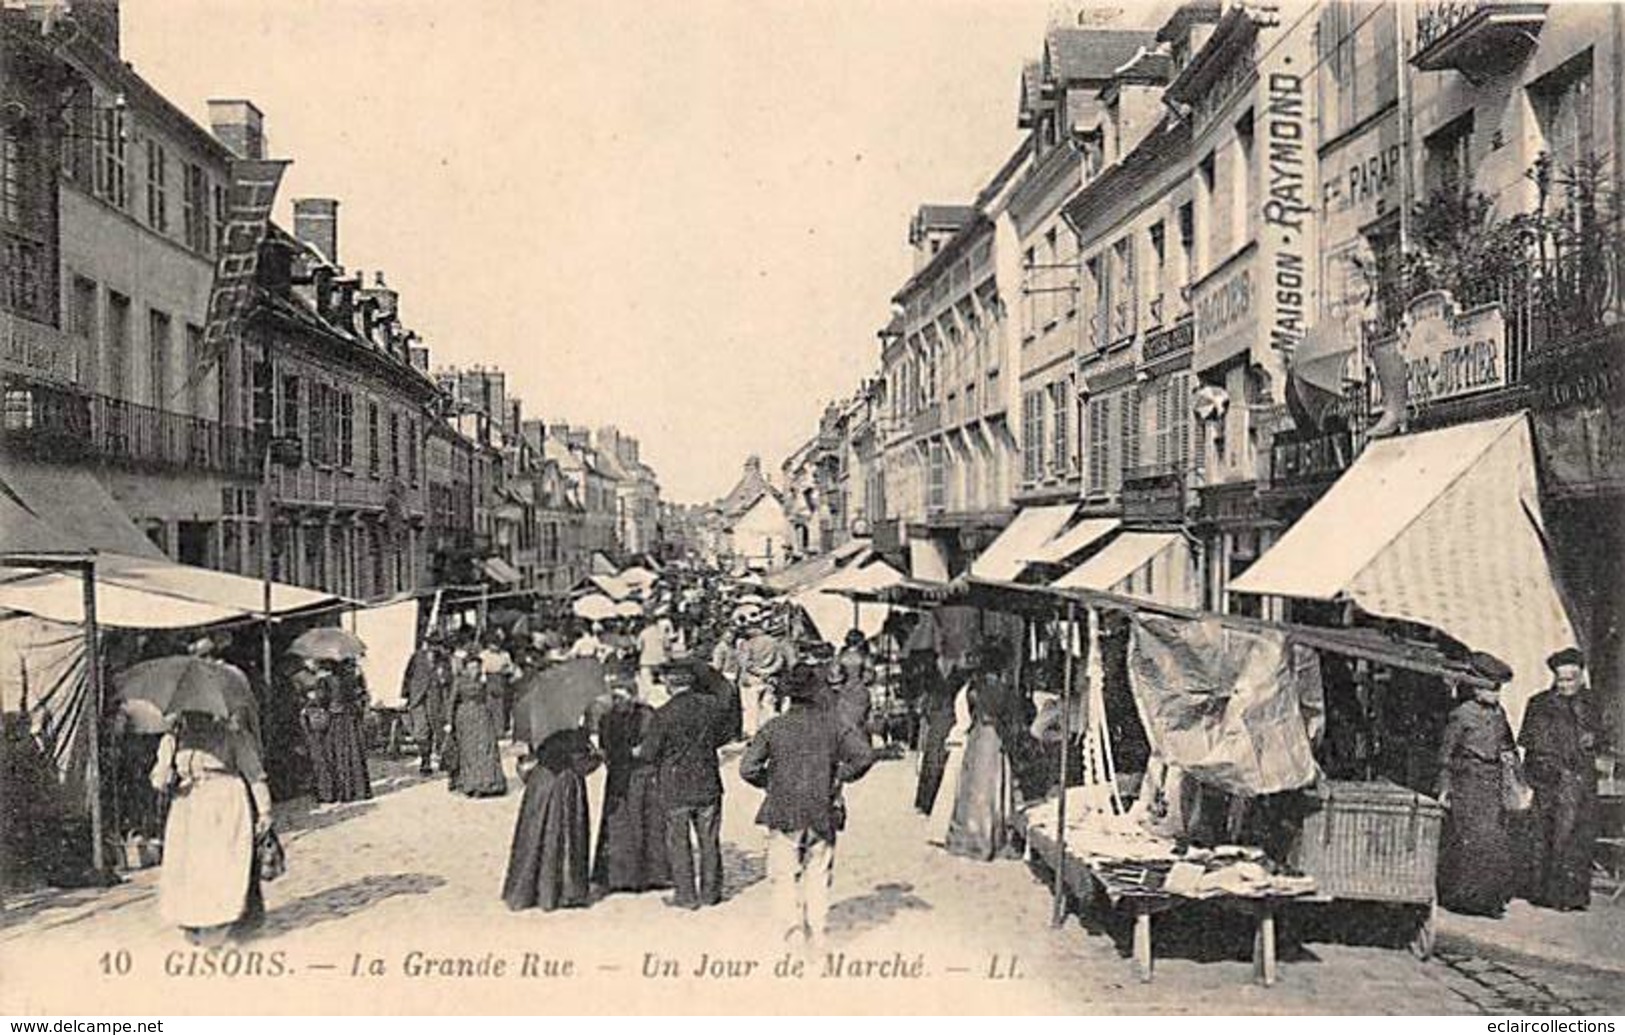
(42, 667)
(150, 593)
(1441, 528)
(390, 633)
(1235, 709)
(832, 614)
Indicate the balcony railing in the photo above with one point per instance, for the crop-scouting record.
(65, 424)
(1475, 37)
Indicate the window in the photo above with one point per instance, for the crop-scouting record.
(118, 345)
(1186, 271)
(1241, 188)
(112, 181)
(1060, 442)
(290, 407)
(1032, 436)
(219, 213)
(1360, 71)
(346, 430)
(157, 186)
(1206, 174)
(372, 439)
(12, 174)
(1123, 313)
(82, 326)
(1100, 294)
(1447, 157)
(1029, 307)
(196, 371)
(1099, 443)
(394, 445)
(1565, 111)
(412, 451)
(157, 358)
(320, 444)
(196, 219)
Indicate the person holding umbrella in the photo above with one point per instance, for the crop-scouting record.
(209, 760)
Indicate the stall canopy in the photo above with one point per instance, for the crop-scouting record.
(146, 593)
(1079, 537)
(1008, 555)
(46, 508)
(500, 571)
(832, 613)
(1441, 528)
(1148, 565)
(602, 565)
(608, 585)
(804, 573)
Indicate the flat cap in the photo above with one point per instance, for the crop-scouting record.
(1566, 656)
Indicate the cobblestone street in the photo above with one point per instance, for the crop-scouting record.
(417, 870)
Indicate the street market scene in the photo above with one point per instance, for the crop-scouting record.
(1196, 590)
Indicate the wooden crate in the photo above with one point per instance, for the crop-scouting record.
(1374, 842)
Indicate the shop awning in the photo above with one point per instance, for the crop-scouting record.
(1444, 529)
(601, 564)
(148, 593)
(804, 573)
(1008, 555)
(498, 570)
(45, 508)
(610, 586)
(1079, 537)
(1115, 565)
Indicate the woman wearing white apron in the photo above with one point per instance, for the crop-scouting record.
(942, 810)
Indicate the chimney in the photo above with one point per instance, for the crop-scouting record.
(316, 223)
(100, 20)
(420, 358)
(239, 125)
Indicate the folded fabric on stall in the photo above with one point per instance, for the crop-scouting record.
(1223, 704)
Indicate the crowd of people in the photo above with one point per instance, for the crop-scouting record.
(702, 678)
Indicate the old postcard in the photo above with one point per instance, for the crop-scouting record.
(861, 507)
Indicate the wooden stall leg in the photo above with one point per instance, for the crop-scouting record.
(1142, 941)
(1264, 948)
(1422, 940)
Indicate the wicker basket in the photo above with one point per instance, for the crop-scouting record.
(1374, 842)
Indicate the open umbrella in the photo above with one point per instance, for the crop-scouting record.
(629, 609)
(556, 698)
(595, 608)
(327, 644)
(184, 683)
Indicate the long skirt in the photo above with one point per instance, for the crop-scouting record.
(977, 828)
(631, 851)
(1477, 868)
(547, 865)
(208, 852)
(347, 754)
(942, 810)
(1565, 823)
(479, 763)
(321, 764)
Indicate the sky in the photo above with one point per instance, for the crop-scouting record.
(683, 217)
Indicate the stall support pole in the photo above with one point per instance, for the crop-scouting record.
(93, 685)
(1058, 914)
(265, 571)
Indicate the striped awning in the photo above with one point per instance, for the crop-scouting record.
(1441, 528)
(1109, 569)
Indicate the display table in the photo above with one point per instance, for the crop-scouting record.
(1141, 887)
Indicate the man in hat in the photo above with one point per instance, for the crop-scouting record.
(427, 680)
(683, 739)
(761, 664)
(1564, 732)
(802, 758)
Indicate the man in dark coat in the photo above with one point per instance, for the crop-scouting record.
(801, 758)
(682, 742)
(936, 704)
(1563, 733)
(427, 680)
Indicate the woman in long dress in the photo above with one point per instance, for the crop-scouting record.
(631, 850)
(479, 763)
(942, 809)
(977, 828)
(1476, 873)
(221, 803)
(315, 689)
(547, 865)
(347, 734)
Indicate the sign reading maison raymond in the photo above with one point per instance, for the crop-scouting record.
(253, 189)
(1287, 237)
